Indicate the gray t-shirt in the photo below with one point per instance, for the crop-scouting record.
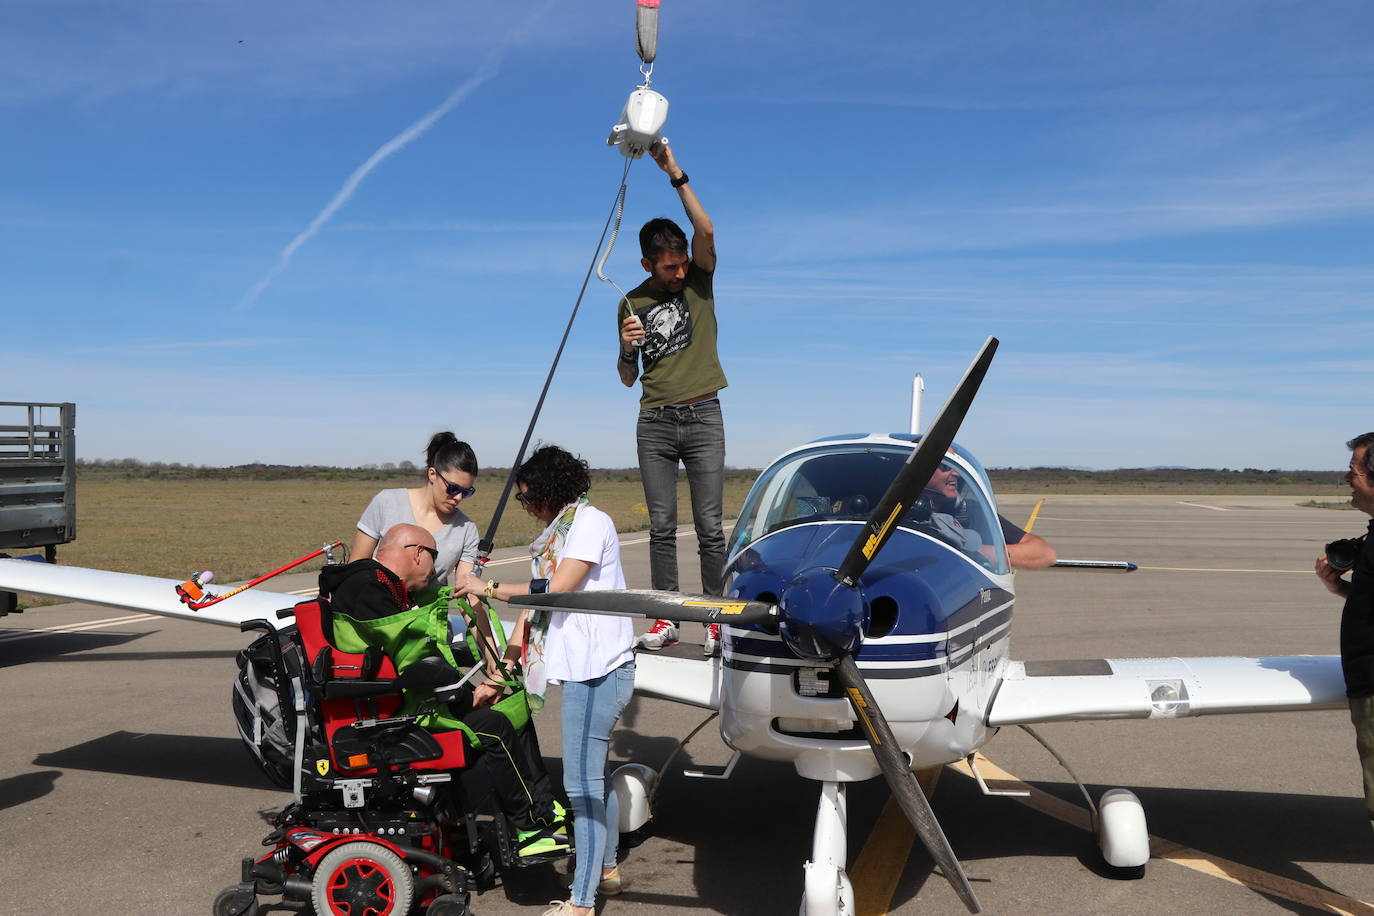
(456, 539)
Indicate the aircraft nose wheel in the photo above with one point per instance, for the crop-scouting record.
(362, 879)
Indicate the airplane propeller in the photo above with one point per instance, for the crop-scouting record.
(904, 491)
(905, 789)
(915, 474)
(654, 605)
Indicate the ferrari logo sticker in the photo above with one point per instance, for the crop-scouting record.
(322, 767)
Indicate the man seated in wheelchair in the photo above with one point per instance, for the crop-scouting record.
(371, 602)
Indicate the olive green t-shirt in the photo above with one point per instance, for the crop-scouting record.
(679, 353)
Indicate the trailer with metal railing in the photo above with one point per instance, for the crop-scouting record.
(37, 480)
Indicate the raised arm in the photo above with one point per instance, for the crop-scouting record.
(703, 233)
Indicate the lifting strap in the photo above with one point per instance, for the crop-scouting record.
(646, 29)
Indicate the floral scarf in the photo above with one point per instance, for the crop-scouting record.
(544, 553)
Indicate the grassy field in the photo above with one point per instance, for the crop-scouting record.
(241, 528)
(241, 522)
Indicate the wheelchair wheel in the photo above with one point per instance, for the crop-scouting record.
(238, 900)
(362, 879)
(449, 905)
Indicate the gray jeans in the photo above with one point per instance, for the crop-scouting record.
(693, 434)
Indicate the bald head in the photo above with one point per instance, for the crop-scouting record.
(409, 552)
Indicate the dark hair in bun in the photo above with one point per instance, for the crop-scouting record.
(446, 451)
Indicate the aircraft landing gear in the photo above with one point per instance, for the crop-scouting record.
(1119, 818)
(1122, 835)
(828, 891)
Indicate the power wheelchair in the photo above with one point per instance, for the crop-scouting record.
(380, 823)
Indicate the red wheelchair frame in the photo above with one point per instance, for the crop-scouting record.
(380, 821)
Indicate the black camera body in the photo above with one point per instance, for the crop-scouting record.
(1341, 555)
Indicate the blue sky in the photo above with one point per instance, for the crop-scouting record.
(1164, 210)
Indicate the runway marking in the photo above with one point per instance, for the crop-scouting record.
(15, 636)
(1204, 863)
(879, 866)
(1176, 520)
(1203, 506)
(1034, 512)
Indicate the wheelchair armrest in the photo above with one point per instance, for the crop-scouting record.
(356, 688)
(372, 663)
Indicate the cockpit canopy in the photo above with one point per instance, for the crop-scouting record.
(845, 482)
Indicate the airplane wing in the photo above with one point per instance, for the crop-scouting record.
(140, 593)
(666, 675)
(1164, 688)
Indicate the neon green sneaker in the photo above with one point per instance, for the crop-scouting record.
(546, 846)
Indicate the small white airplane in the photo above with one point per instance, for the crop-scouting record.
(867, 628)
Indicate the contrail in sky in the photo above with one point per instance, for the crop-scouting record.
(397, 143)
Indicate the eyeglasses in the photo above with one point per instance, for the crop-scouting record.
(524, 499)
(433, 554)
(453, 489)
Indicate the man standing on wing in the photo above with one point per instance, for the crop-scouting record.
(1357, 619)
(669, 322)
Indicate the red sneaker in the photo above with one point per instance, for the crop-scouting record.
(662, 633)
(711, 644)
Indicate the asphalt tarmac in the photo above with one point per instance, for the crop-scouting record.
(124, 787)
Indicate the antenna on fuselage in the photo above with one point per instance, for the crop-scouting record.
(918, 387)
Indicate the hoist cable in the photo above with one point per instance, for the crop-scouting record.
(485, 546)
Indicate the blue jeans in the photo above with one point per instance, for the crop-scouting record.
(590, 711)
(693, 434)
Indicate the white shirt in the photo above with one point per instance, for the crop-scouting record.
(583, 647)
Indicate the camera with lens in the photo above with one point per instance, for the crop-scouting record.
(1342, 554)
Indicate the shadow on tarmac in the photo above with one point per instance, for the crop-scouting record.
(52, 646)
(186, 758)
(1271, 832)
(26, 787)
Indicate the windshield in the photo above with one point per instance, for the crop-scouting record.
(845, 483)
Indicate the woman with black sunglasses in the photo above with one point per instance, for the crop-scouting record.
(450, 470)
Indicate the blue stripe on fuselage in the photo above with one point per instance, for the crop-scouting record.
(944, 602)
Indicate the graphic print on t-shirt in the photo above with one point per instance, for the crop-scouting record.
(667, 329)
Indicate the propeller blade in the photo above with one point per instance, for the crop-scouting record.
(631, 602)
(905, 789)
(915, 474)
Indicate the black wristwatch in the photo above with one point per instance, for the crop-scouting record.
(679, 182)
(628, 357)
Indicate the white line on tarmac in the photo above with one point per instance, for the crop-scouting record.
(1203, 506)
(1175, 520)
(17, 635)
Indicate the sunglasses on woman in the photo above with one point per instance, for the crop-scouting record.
(453, 489)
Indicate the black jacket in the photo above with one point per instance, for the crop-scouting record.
(1357, 624)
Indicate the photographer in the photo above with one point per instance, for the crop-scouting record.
(1357, 619)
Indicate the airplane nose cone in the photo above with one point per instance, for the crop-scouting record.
(821, 619)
